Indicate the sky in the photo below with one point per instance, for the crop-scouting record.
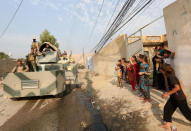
(70, 21)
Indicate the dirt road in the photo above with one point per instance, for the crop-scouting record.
(72, 112)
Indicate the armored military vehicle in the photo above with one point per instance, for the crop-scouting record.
(48, 80)
(71, 69)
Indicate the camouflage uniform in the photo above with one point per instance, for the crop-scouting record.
(35, 44)
(32, 62)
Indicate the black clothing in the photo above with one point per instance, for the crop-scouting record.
(160, 81)
(121, 67)
(155, 82)
(154, 62)
(155, 74)
(171, 106)
(122, 70)
(177, 99)
(172, 80)
(125, 73)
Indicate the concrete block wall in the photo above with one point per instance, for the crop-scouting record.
(105, 60)
(178, 26)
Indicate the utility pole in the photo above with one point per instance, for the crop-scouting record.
(141, 35)
(83, 55)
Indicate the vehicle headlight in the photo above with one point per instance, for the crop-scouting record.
(69, 68)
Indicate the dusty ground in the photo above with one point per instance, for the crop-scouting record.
(122, 108)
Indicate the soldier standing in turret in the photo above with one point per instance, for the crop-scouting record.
(35, 45)
(47, 49)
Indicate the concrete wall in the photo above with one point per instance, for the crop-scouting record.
(105, 60)
(178, 25)
(6, 66)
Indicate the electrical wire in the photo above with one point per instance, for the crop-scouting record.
(137, 10)
(92, 31)
(107, 37)
(11, 20)
(139, 20)
(112, 14)
(117, 21)
(137, 16)
(133, 16)
(124, 17)
(155, 5)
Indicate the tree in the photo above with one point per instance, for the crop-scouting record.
(47, 37)
(3, 55)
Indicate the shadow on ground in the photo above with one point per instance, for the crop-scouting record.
(60, 114)
(157, 111)
(115, 121)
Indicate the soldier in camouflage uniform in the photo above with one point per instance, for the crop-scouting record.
(31, 60)
(35, 45)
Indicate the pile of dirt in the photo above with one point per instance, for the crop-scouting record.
(6, 65)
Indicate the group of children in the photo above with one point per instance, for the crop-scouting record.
(163, 55)
(135, 71)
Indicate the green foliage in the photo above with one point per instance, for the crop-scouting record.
(47, 37)
(3, 55)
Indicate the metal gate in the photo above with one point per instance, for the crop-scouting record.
(134, 44)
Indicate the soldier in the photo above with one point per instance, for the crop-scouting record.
(31, 60)
(70, 57)
(35, 44)
(47, 49)
(20, 67)
(65, 55)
